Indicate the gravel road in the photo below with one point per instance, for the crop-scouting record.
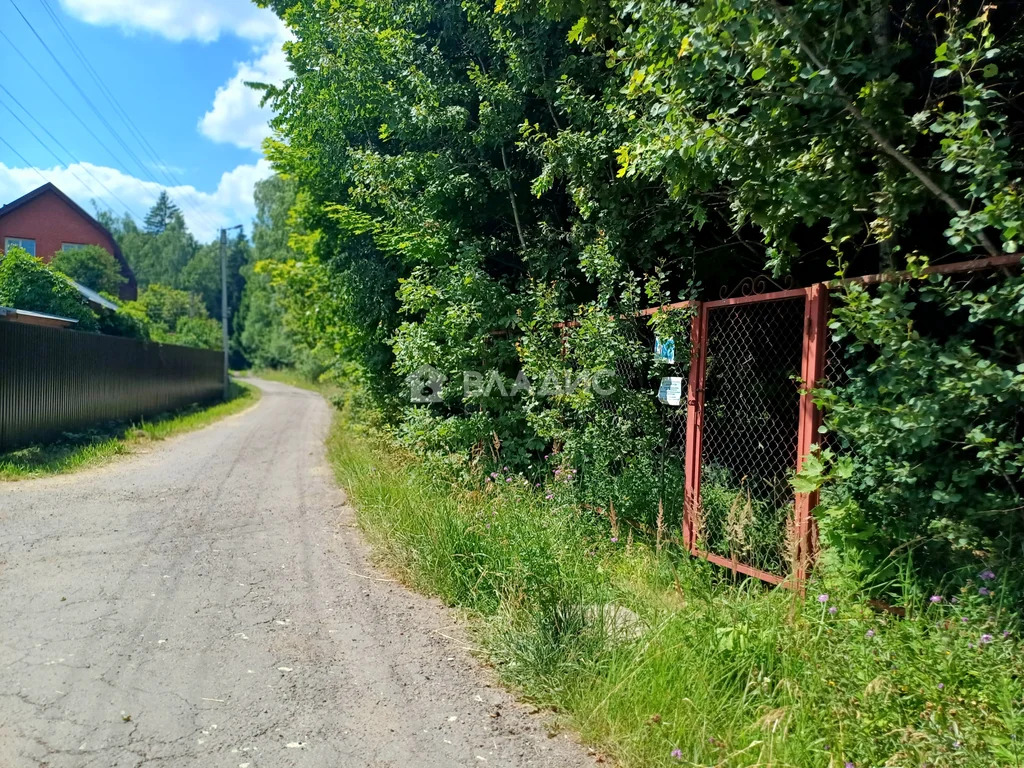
(210, 603)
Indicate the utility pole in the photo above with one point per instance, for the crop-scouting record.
(224, 299)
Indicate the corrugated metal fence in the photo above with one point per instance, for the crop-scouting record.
(54, 381)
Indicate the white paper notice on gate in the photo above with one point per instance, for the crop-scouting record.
(671, 390)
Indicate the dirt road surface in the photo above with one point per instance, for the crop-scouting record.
(210, 603)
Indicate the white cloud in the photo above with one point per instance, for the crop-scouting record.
(205, 212)
(236, 116)
(203, 20)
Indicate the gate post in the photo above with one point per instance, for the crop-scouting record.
(813, 371)
(694, 426)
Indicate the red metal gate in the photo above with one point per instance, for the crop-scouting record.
(750, 423)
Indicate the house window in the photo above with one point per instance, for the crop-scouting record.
(20, 242)
(72, 246)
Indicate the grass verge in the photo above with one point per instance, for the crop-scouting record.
(81, 450)
(658, 660)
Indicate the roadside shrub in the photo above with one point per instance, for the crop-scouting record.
(202, 332)
(928, 426)
(122, 323)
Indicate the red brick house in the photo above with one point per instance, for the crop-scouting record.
(46, 221)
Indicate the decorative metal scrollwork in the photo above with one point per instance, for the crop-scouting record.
(755, 286)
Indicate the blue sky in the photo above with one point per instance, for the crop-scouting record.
(176, 67)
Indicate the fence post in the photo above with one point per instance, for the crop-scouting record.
(813, 371)
(694, 426)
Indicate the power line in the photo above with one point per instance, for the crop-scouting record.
(111, 99)
(89, 102)
(67, 106)
(47, 147)
(22, 158)
(66, 151)
(159, 163)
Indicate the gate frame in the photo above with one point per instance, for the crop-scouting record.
(813, 354)
(813, 332)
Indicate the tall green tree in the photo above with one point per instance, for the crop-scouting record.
(262, 333)
(162, 214)
(201, 275)
(464, 168)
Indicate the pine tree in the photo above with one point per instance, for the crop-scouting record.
(160, 216)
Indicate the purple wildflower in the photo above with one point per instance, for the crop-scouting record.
(494, 474)
(941, 686)
(615, 539)
(935, 599)
(833, 610)
(956, 744)
(677, 754)
(984, 592)
(987, 575)
(1006, 633)
(986, 638)
(508, 479)
(849, 764)
(822, 598)
(870, 633)
(963, 619)
(550, 496)
(489, 480)
(505, 469)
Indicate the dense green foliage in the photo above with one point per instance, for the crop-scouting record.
(470, 174)
(930, 423)
(262, 333)
(92, 266)
(171, 316)
(160, 314)
(27, 283)
(155, 256)
(179, 279)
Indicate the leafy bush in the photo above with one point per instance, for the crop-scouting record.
(122, 323)
(201, 332)
(165, 306)
(27, 283)
(92, 266)
(929, 423)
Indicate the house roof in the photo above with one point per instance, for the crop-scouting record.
(10, 314)
(92, 296)
(28, 197)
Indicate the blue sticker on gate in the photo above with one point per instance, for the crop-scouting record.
(665, 349)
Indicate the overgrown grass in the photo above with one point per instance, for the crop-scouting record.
(78, 451)
(661, 660)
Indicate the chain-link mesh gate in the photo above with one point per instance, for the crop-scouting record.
(752, 421)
